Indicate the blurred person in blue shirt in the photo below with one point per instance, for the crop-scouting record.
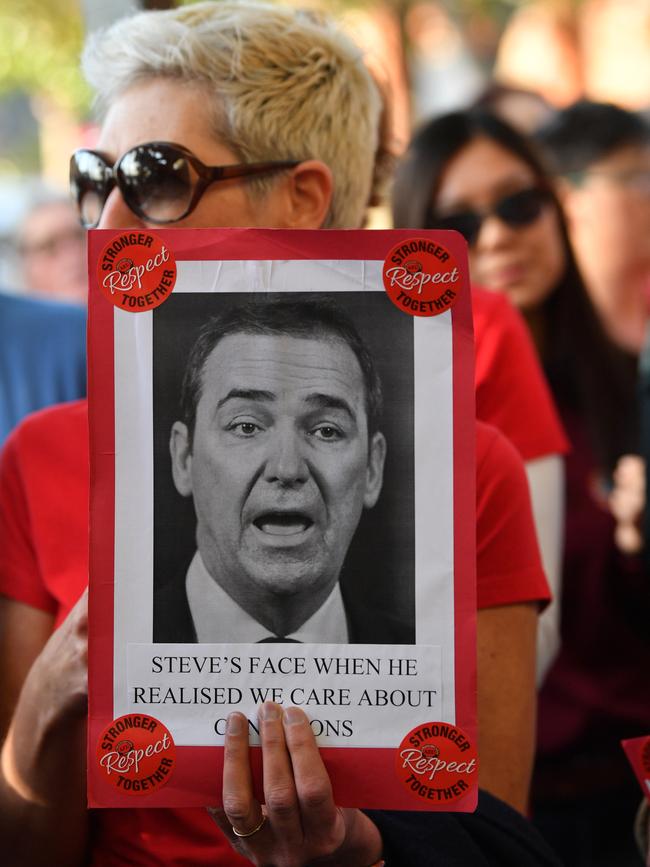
(42, 356)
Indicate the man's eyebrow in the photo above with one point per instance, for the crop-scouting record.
(246, 394)
(329, 401)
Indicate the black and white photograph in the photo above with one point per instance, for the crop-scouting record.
(283, 469)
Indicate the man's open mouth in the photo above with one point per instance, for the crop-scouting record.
(283, 523)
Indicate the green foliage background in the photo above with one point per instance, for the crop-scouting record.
(40, 42)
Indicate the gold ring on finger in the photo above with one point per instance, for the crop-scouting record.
(257, 828)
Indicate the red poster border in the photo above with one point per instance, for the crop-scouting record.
(198, 768)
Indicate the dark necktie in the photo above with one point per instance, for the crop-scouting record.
(278, 639)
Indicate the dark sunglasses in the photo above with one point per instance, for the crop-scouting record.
(515, 210)
(161, 182)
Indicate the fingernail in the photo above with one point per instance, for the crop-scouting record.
(293, 715)
(235, 724)
(269, 711)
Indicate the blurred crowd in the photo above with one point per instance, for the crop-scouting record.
(554, 204)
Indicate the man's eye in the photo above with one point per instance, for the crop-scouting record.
(327, 432)
(244, 428)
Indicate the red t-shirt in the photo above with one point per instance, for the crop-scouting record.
(511, 390)
(44, 489)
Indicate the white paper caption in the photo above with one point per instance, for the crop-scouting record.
(357, 695)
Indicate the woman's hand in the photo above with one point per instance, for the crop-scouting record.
(627, 503)
(299, 824)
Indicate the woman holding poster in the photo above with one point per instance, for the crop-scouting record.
(44, 488)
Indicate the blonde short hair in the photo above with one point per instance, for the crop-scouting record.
(287, 85)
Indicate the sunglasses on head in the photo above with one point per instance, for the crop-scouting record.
(160, 182)
(515, 210)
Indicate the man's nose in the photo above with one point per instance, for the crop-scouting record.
(117, 214)
(286, 462)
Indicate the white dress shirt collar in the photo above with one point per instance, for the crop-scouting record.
(218, 619)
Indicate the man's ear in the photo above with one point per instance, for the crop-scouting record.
(181, 455)
(310, 187)
(375, 469)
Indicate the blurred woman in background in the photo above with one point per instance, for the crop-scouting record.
(471, 172)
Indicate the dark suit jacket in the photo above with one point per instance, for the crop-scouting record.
(173, 624)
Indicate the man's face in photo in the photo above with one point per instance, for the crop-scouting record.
(281, 464)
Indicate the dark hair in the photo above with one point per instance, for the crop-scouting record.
(317, 318)
(420, 172)
(587, 132)
(587, 373)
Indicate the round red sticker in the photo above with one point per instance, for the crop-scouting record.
(437, 762)
(136, 271)
(136, 754)
(421, 277)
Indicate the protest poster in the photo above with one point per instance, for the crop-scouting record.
(282, 508)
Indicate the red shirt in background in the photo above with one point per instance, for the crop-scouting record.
(511, 389)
